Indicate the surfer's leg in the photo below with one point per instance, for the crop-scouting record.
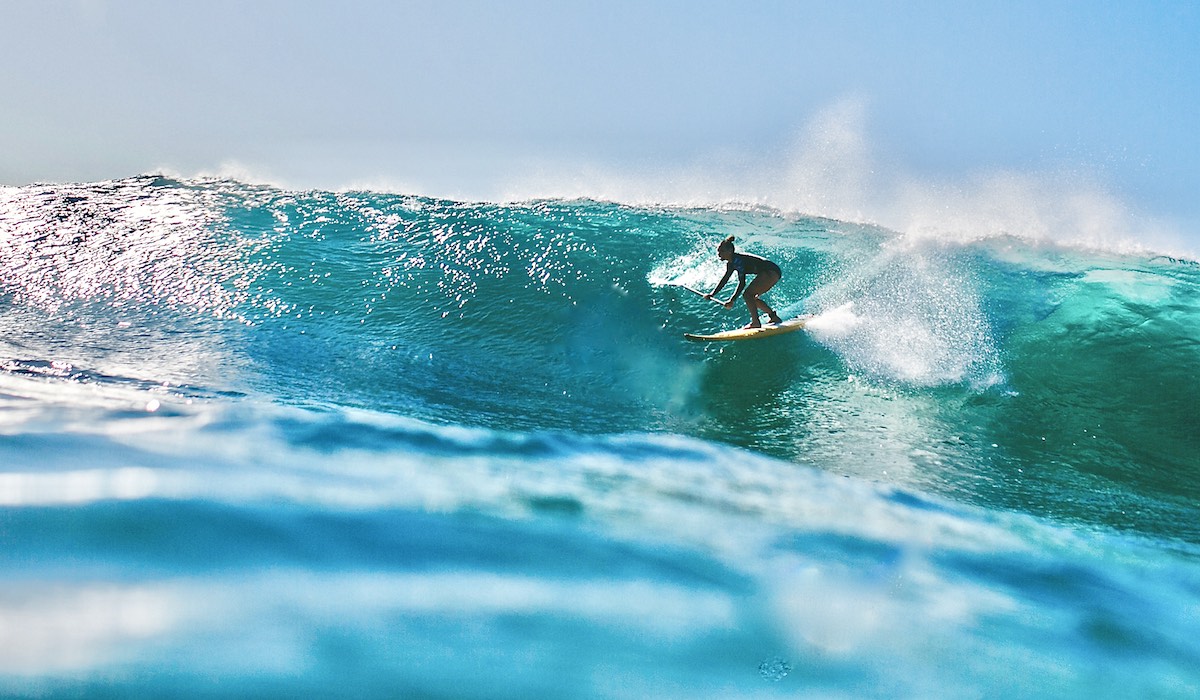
(760, 285)
(762, 306)
(752, 303)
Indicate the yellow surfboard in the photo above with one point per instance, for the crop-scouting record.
(792, 324)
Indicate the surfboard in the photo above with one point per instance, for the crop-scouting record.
(792, 324)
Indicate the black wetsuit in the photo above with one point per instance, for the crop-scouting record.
(746, 264)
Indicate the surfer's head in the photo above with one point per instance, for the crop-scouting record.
(725, 249)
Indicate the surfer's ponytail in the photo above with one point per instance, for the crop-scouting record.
(727, 243)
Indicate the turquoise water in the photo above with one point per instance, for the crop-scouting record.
(269, 443)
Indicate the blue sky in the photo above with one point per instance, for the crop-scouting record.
(466, 98)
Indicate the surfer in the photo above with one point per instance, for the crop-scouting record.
(766, 274)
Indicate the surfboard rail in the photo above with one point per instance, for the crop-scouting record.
(788, 326)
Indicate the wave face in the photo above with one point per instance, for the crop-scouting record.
(462, 449)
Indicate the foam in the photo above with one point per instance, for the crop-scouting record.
(834, 324)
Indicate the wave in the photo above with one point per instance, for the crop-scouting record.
(286, 534)
(286, 438)
(1000, 353)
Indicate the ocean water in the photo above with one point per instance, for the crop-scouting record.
(265, 443)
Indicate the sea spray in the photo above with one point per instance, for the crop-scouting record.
(917, 318)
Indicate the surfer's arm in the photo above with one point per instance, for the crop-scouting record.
(721, 284)
(741, 286)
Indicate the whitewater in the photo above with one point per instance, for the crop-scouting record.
(258, 441)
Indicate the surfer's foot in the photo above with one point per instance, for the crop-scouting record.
(748, 326)
(775, 319)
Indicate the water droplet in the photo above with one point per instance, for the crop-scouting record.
(774, 669)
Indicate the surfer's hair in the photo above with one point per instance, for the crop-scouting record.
(727, 243)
